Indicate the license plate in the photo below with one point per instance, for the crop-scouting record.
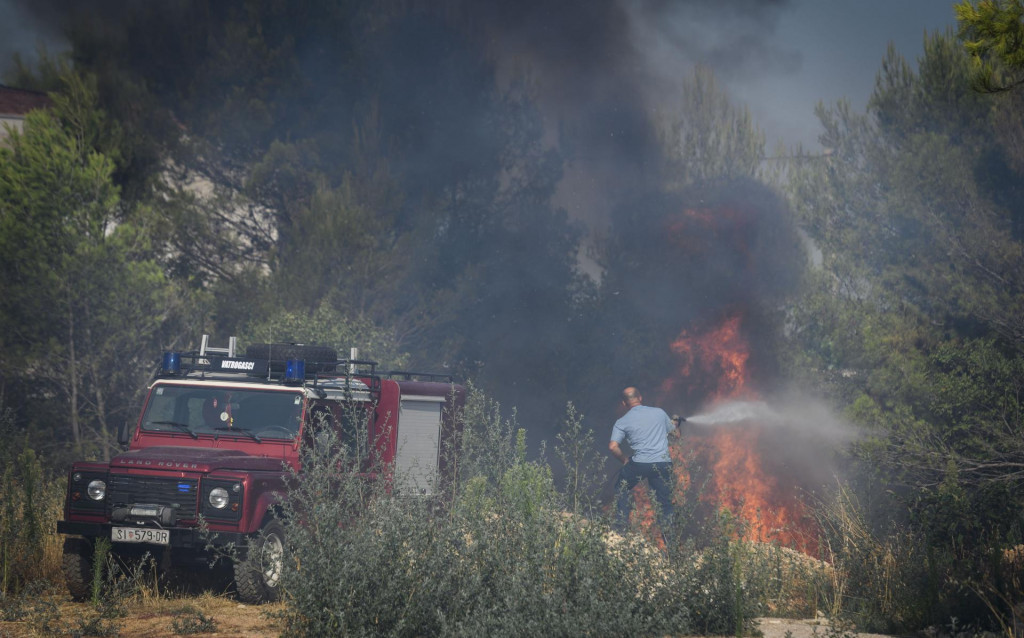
(140, 535)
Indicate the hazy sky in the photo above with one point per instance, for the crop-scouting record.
(840, 44)
(780, 57)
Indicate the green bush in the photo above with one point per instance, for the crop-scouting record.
(506, 557)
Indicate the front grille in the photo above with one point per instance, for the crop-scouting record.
(179, 493)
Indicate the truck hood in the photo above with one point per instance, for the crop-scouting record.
(193, 459)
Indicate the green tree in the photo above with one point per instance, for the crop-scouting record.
(916, 200)
(912, 320)
(709, 138)
(85, 303)
(993, 33)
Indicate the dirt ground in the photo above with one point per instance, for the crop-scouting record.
(231, 619)
(156, 618)
(810, 628)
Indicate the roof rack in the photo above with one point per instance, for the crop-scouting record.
(224, 363)
(195, 361)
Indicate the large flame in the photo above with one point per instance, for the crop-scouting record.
(766, 504)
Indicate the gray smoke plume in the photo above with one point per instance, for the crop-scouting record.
(23, 28)
(602, 68)
(605, 68)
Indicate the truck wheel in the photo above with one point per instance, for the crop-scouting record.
(76, 563)
(258, 576)
(317, 358)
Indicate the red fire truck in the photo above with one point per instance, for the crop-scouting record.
(215, 442)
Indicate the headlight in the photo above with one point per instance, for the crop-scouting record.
(219, 497)
(97, 490)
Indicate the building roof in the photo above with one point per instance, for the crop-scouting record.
(19, 101)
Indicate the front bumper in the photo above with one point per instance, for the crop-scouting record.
(181, 537)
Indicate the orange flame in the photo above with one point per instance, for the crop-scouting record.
(739, 483)
(722, 352)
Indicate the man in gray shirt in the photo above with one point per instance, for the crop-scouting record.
(645, 429)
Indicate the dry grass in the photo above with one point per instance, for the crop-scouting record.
(31, 557)
(49, 567)
(792, 581)
(154, 617)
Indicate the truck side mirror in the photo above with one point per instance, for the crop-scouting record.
(124, 435)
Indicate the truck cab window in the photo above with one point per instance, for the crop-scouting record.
(343, 427)
(211, 410)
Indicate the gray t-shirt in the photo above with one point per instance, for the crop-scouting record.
(646, 430)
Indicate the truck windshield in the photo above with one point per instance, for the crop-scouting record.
(212, 410)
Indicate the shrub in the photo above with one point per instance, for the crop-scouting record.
(190, 620)
(507, 557)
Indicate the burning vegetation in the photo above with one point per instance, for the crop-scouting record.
(728, 259)
(741, 475)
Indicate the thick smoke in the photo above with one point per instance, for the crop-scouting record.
(690, 262)
(23, 28)
(603, 70)
(606, 69)
(627, 52)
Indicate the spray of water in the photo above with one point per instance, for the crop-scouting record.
(799, 414)
(735, 412)
(796, 436)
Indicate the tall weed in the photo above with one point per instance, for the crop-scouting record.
(30, 505)
(887, 582)
(584, 475)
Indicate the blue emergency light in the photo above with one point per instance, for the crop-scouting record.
(294, 371)
(172, 363)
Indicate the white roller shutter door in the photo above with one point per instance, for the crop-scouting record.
(419, 428)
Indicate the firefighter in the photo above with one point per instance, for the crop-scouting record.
(645, 429)
(217, 412)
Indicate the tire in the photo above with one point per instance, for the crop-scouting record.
(258, 575)
(317, 358)
(76, 563)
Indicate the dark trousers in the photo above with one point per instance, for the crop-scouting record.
(659, 478)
